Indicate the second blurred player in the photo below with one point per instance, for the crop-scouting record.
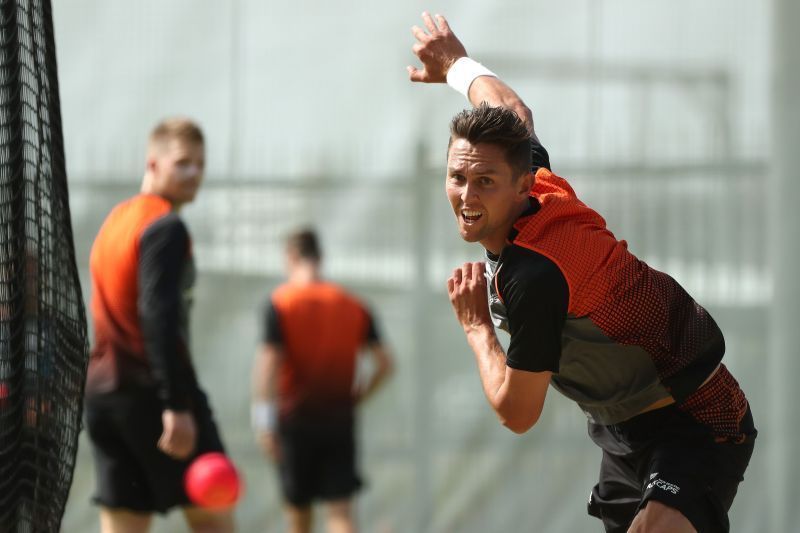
(304, 387)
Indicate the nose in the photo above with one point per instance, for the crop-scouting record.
(468, 191)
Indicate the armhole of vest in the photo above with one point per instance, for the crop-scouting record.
(496, 282)
(558, 265)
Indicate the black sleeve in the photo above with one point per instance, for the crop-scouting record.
(271, 332)
(536, 297)
(539, 156)
(373, 337)
(163, 256)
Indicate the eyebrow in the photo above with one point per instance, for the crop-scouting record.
(488, 171)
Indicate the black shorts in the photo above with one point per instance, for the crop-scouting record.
(317, 461)
(131, 472)
(668, 456)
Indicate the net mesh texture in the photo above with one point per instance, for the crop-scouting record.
(42, 316)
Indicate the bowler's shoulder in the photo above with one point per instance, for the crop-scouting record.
(523, 270)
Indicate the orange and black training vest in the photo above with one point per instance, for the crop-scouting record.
(320, 328)
(142, 273)
(617, 334)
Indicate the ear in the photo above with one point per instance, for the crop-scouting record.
(525, 183)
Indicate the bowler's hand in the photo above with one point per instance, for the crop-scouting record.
(467, 291)
(438, 49)
(180, 434)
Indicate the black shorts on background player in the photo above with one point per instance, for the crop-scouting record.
(318, 461)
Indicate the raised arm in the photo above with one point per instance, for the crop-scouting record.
(445, 60)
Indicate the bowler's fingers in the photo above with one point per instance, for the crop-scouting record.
(458, 276)
(479, 272)
(473, 272)
(442, 22)
(465, 274)
(419, 34)
(415, 74)
(429, 23)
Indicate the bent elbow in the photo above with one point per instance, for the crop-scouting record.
(519, 424)
(524, 112)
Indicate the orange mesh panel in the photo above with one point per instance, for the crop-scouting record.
(630, 302)
(719, 404)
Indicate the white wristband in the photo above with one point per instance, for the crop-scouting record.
(463, 72)
(263, 416)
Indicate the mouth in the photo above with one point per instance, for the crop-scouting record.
(470, 216)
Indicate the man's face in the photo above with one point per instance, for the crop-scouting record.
(485, 197)
(177, 170)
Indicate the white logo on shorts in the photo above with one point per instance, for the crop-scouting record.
(663, 485)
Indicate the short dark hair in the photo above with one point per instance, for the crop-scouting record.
(495, 125)
(305, 244)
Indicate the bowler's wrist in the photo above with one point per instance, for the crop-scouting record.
(478, 330)
(463, 72)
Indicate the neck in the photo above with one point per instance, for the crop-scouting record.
(499, 240)
(304, 274)
(147, 188)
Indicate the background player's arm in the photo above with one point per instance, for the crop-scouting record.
(381, 359)
(265, 369)
(264, 384)
(163, 252)
(517, 396)
(438, 49)
(383, 369)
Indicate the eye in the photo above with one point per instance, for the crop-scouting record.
(458, 178)
(486, 180)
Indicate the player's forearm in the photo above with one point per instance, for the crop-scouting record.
(491, 360)
(263, 409)
(264, 370)
(167, 362)
(381, 374)
(516, 398)
(496, 93)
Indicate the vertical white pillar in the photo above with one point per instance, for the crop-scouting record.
(781, 432)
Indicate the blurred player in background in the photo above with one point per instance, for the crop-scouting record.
(146, 415)
(305, 391)
(626, 342)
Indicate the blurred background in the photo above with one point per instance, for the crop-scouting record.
(658, 112)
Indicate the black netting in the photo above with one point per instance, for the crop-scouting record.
(42, 319)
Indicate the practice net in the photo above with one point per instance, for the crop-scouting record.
(42, 319)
